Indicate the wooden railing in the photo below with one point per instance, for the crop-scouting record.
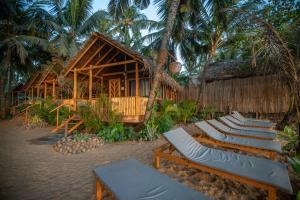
(65, 103)
(129, 106)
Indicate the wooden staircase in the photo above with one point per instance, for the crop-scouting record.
(69, 125)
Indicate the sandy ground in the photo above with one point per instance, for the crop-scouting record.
(31, 169)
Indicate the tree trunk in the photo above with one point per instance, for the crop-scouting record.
(161, 59)
(210, 56)
(2, 98)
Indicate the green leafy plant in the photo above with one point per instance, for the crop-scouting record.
(290, 136)
(208, 113)
(295, 163)
(80, 137)
(187, 109)
(92, 122)
(115, 133)
(35, 120)
(42, 108)
(150, 131)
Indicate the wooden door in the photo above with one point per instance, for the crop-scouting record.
(114, 88)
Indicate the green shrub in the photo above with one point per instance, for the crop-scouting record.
(80, 137)
(295, 163)
(115, 133)
(42, 109)
(92, 122)
(151, 129)
(290, 136)
(208, 113)
(187, 109)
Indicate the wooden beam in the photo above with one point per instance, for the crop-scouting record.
(81, 55)
(109, 60)
(136, 79)
(93, 56)
(75, 85)
(38, 91)
(53, 89)
(137, 103)
(101, 85)
(31, 93)
(108, 65)
(45, 91)
(120, 49)
(90, 83)
(125, 77)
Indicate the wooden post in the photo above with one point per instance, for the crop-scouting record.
(101, 84)
(98, 190)
(75, 85)
(57, 118)
(90, 83)
(31, 93)
(137, 105)
(45, 91)
(66, 129)
(38, 91)
(53, 89)
(12, 98)
(126, 92)
(75, 89)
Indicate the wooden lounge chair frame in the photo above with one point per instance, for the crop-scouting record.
(100, 189)
(165, 151)
(251, 126)
(264, 152)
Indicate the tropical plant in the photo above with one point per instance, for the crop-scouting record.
(162, 56)
(43, 108)
(187, 109)
(115, 133)
(22, 44)
(208, 113)
(290, 136)
(295, 163)
(276, 55)
(92, 122)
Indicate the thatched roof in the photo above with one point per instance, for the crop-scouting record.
(233, 69)
(38, 78)
(92, 45)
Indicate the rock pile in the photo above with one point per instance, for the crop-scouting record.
(70, 145)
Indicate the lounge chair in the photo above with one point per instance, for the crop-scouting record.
(241, 133)
(234, 123)
(259, 172)
(263, 147)
(242, 118)
(129, 179)
(246, 122)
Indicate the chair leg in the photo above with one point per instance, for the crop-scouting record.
(98, 190)
(272, 194)
(157, 162)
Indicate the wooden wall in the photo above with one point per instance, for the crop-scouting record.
(262, 94)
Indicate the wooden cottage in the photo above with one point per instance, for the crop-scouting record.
(125, 76)
(41, 84)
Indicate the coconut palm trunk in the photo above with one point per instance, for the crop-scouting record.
(161, 59)
(210, 56)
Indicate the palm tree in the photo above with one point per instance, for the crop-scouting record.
(116, 8)
(71, 22)
(127, 29)
(162, 56)
(21, 40)
(277, 53)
